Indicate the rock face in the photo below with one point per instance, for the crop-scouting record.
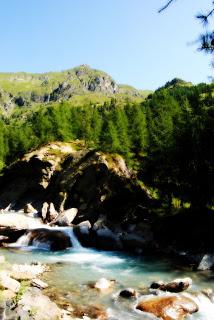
(70, 176)
(27, 180)
(84, 79)
(168, 307)
(99, 185)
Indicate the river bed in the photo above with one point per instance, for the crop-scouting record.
(73, 269)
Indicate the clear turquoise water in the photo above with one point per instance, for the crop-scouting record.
(73, 269)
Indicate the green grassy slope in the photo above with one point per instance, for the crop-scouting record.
(77, 84)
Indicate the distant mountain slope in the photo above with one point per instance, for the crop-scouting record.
(24, 89)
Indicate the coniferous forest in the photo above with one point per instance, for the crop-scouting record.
(167, 139)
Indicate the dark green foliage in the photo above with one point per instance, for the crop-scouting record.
(169, 137)
(180, 161)
(109, 128)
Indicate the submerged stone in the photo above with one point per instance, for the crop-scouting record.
(128, 293)
(177, 285)
(104, 284)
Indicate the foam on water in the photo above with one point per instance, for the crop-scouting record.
(89, 256)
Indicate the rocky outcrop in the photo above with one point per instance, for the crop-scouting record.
(97, 185)
(84, 80)
(70, 176)
(25, 182)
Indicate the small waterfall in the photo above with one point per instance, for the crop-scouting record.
(40, 239)
(26, 241)
(23, 241)
(70, 232)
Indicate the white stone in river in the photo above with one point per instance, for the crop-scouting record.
(103, 284)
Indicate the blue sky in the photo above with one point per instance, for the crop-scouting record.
(126, 38)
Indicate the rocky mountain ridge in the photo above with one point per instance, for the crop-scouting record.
(25, 89)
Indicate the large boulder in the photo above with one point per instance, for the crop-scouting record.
(67, 175)
(66, 217)
(49, 239)
(33, 301)
(97, 185)
(169, 307)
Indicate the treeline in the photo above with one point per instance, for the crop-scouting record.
(111, 128)
(168, 138)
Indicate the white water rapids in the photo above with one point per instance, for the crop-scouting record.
(74, 267)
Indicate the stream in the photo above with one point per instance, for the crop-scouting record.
(74, 268)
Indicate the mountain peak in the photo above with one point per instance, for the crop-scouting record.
(24, 89)
(176, 82)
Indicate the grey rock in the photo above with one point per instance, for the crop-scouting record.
(9, 283)
(42, 308)
(66, 217)
(207, 262)
(39, 284)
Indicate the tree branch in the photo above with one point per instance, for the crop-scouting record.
(166, 6)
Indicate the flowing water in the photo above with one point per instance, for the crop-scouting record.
(73, 269)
